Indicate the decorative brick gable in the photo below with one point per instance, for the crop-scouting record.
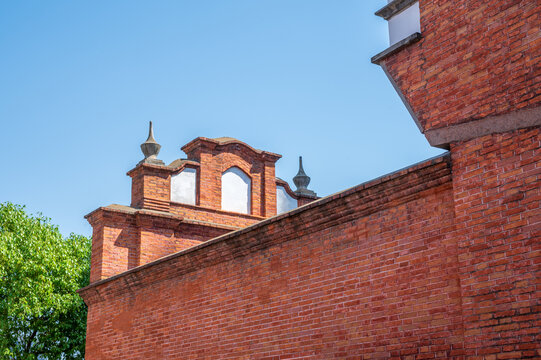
(154, 226)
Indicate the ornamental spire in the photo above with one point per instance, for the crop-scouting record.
(301, 181)
(151, 148)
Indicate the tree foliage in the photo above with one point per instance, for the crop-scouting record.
(41, 315)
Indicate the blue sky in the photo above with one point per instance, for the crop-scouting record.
(79, 81)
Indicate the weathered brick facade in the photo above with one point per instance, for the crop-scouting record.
(497, 195)
(439, 260)
(475, 60)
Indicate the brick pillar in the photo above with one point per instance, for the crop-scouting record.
(151, 187)
(268, 180)
(115, 244)
(210, 181)
(497, 182)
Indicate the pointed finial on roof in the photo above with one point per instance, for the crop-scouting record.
(151, 148)
(301, 181)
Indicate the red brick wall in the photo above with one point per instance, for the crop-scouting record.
(497, 182)
(411, 265)
(370, 271)
(441, 260)
(476, 58)
(158, 238)
(114, 244)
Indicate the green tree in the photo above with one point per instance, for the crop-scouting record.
(41, 315)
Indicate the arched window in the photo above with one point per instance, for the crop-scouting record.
(236, 191)
(183, 186)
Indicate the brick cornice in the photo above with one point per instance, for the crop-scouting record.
(220, 142)
(145, 166)
(143, 217)
(362, 200)
(174, 167)
(180, 164)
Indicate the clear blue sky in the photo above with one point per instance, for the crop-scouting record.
(79, 81)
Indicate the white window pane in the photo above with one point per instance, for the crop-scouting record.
(236, 191)
(404, 24)
(183, 186)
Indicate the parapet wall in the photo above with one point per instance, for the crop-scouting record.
(371, 270)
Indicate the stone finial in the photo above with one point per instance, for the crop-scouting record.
(301, 181)
(151, 148)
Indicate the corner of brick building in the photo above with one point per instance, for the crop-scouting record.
(475, 62)
(472, 83)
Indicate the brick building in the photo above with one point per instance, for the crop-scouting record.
(217, 258)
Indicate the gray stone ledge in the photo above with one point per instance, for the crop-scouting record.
(396, 47)
(393, 8)
(512, 121)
